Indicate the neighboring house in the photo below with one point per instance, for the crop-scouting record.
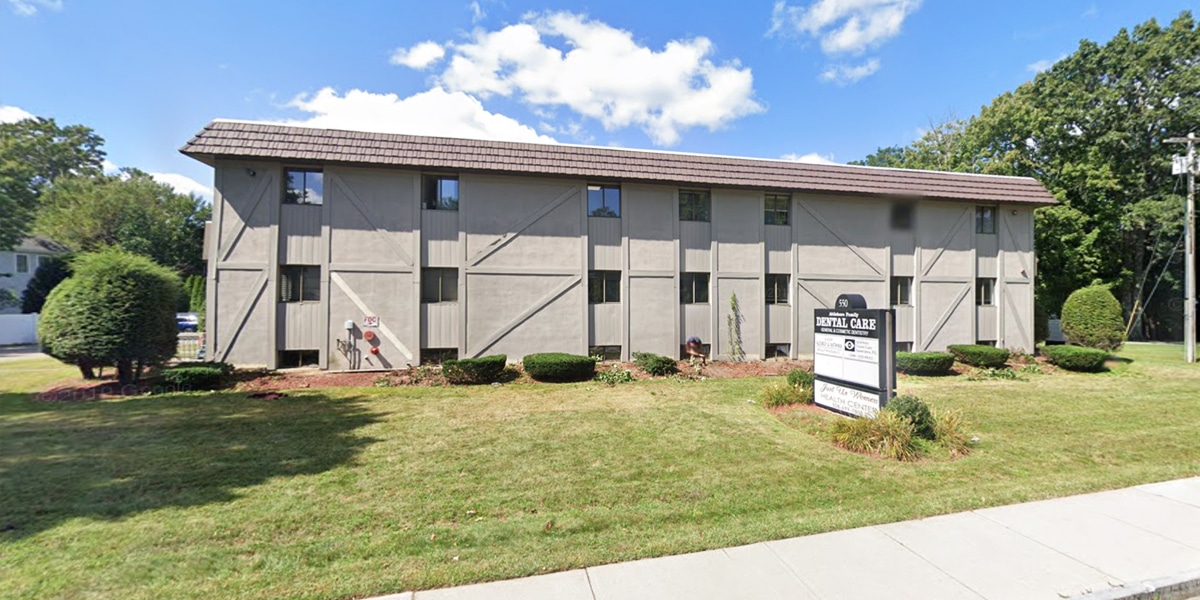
(18, 265)
(363, 250)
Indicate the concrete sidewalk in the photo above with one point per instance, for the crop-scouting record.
(1140, 542)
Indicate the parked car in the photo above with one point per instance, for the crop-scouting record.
(187, 322)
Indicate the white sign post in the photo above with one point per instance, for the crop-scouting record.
(854, 357)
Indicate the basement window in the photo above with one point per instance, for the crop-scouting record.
(437, 356)
(777, 289)
(605, 352)
(294, 359)
(705, 349)
(778, 208)
(439, 285)
(693, 288)
(439, 192)
(695, 205)
(304, 186)
(299, 283)
(778, 351)
(604, 201)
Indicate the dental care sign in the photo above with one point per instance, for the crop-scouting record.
(853, 356)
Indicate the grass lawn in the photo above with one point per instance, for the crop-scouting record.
(354, 492)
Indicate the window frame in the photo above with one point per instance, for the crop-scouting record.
(437, 356)
(444, 291)
(698, 205)
(303, 199)
(985, 291)
(17, 263)
(781, 350)
(302, 275)
(608, 282)
(604, 188)
(688, 287)
(895, 297)
(768, 210)
(772, 285)
(902, 216)
(605, 352)
(985, 220)
(436, 201)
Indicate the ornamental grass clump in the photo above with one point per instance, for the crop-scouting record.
(888, 435)
(785, 394)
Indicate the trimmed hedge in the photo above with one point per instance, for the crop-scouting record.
(987, 357)
(197, 376)
(1076, 358)
(800, 378)
(916, 412)
(655, 364)
(1092, 317)
(924, 363)
(559, 366)
(474, 371)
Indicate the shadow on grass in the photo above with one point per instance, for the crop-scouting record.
(113, 459)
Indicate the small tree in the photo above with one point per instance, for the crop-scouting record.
(117, 309)
(733, 322)
(1092, 317)
(51, 271)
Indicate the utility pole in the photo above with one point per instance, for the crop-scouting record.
(1189, 263)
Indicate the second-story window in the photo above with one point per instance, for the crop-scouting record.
(695, 205)
(439, 192)
(304, 186)
(604, 201)
(778, 208)
(985, 219)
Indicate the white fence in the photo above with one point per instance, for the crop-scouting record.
(18, 329)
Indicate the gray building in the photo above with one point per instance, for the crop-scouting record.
(355, 250)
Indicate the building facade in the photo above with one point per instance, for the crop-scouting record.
(18, 265)
(354, 250)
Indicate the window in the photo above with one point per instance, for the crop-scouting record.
(604, 287)
(605, 352)
(695, 205)
(439, 285)
(902, 291)
(22, 263)
(985, 219)
(902, 216)
(985, 291)
(778, 351)
(299, 283)
(439, 192)
(904, 347)
(705, 349)
(777, 209)
(304, 186)
(693, 288)
(604, 201)
(777, 289)
(292, 359)
(437, 356)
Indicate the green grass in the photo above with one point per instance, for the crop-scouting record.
(350, 493)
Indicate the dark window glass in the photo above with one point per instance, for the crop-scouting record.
(985, 291)
(299, 283)
(693, 288)
(439, 285)
(291, 359)
(904, 346)
(22, 263)
(705, 349)
(985, 219)
(902, 216)
(777, 289)
(901, 291)
(605, 352)
(439, 192)
(604, 287)
(304, 187)
(777, 209)
(778, 350)
(437, 356)
(604, 201)
(695, 205)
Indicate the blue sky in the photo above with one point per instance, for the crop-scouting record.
(800, 79)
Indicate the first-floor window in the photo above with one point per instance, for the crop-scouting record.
(777, 289)
(985, 291)
(439, 285)
(901, 291)
(299, 283)
(604, 287)
(693, 288)
(22, 263)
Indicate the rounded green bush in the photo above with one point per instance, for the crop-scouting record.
(197, 376)
(1076, 358)
(474, 371)
(1092, 317)
(924, 363)
(559, 366)
(916, 411)
(978, 355)
(655, 364)
(800, 378)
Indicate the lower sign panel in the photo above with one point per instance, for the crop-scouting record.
(848, 400)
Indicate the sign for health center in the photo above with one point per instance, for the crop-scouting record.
(853, 356)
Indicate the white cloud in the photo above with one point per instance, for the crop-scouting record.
(811, 158)
(109, 167)
(28, 8)
(420, 56)
(600, 72)
(477, 12)
(12, 114)
(844, 74)
(1043, 65)
(183, 184)
(434, 112)
(845, 26)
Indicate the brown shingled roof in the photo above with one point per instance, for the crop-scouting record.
(257, 140)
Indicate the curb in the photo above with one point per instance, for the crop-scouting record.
(1177, 587)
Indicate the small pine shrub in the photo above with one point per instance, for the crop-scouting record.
(783, 394)
(198, 376)
(655, 364)
(614, 375)
(949, 430)
(1076, 358)
(924, 363)
(1092, 317)
(800, 378)
(474, 371)
(916, 412)
(888, 435)
(976, 355)
(559, 366)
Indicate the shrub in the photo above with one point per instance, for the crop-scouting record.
(924, 363)
(949, 431)
(1076, 358)
(887, 435)
(976, 355)
(783, 394)
(614, 375)
(559, 366)
(800, 378)
(484, 369)
(655, 364)
(1092, 317)
(916, 411)
(51, 271)
(198, 376)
